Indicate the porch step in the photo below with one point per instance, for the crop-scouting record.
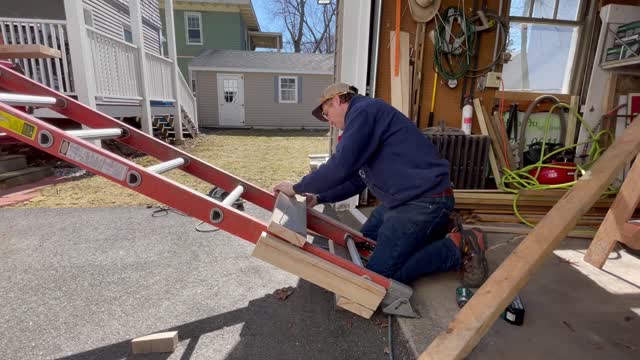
(12, 163)
(24, 176)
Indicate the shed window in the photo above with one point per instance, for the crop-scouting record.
(288, 89)
(193, 24)
(231, 91)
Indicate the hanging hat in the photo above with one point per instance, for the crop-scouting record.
(424, 10)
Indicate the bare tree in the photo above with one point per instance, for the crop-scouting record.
(309, 27)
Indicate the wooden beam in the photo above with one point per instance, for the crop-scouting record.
(416, 83)
(354, 307)
(30, 51)
(289, 220)
(318, 271)
(477, 316)
(621, 210)
(631, 235)
(484, 130)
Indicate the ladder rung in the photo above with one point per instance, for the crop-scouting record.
(28, 100)
(166, 166)
(97, 134)
(233, 196)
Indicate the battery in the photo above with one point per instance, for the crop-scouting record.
(463, 295)
(514, 313)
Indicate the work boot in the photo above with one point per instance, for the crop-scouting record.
(475, 268)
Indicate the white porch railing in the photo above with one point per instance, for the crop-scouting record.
(187, 100)
(115, 66)
(54, 73)
(159, 75)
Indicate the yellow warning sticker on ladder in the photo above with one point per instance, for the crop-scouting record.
(17, 125)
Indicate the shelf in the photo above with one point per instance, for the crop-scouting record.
(624, 64)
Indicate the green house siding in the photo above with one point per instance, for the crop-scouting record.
(220, 30)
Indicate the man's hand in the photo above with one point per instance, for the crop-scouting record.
(285, 187)
(311, 200)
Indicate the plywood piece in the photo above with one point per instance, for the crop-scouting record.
(155, 343)
(477, 316)
(30, 51)
(318, 271)
(289, 219)
(621, 210)
(401, 85)
(354, 307)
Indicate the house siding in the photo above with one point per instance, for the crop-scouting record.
(108, 17)
(261, 109)
(220, 30)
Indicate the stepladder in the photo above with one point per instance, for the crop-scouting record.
(282, 241)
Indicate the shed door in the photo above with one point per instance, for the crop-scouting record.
(231, 99)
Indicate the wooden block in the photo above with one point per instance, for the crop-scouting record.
(318, 271)
(476, 317)
(155, 343)
(289, 220)
(621, 210)
(354, 307)
(28, 51)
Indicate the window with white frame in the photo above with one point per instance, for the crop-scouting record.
(88, 16)
(127, 34)
(543, 37)
(193, 24)
(288, 89)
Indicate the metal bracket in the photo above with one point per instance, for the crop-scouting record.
(397, 300)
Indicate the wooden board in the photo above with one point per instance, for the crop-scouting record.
(493, 161)
(416, 83)
(400, 85)
(477, 316)
(572, 122)
(354, 307)
(631, 235)
(31, 51)
(289, 219)
(621, 210)
(318, 271)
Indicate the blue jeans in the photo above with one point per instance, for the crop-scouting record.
(411, 239)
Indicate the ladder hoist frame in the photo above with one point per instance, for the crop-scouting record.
(75, 147)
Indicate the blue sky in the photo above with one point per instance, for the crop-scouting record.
(265, 18)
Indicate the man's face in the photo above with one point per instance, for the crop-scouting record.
(333, 112)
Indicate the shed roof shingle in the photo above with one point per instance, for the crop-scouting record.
(258, 61)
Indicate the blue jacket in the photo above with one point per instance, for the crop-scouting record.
(383, 150)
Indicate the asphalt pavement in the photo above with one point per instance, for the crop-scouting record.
(81, 283)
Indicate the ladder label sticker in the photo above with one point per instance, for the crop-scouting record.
(93, 160)
(17, 125)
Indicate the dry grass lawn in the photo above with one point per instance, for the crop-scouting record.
(261, 157)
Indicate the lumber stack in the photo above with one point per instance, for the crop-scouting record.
(493, 206)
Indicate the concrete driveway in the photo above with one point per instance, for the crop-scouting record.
(80, 283)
